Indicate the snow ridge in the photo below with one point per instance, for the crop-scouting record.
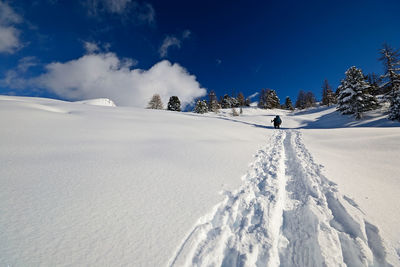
(286, 214)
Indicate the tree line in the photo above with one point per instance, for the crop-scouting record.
(356, 93)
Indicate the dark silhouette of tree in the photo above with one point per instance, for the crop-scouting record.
(174, 104)
(391, 79)
(288, 104)
(328, 96)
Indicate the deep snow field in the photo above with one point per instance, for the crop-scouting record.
(91, 184)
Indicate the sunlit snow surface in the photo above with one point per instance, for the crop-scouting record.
(100, 185)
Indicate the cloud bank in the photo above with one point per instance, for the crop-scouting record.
(9, 34)
(105, 75)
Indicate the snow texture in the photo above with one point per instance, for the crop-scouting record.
(286, 214)
(88, 185)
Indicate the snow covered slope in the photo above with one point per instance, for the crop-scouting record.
(90, 185)
(98, 102)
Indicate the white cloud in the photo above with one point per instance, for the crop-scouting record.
(96, 47)
(9, 39)
(9, 35)
(253, 95)
(171, 41)
(14, 78)
(168, 42)
(27, 62)
(105, 75)
(7, 14)
(91, 47)
(138, 12)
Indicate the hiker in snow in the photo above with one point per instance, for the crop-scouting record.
(277, 122)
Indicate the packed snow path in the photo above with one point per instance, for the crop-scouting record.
(286, 214)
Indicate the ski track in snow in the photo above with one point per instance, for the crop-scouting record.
(285, 214)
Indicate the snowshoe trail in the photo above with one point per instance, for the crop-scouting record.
(285, 214)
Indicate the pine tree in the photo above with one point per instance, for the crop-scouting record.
(174, 104)
(213, 104)
(328, 97)
(262, 99)
(241, 99)
(269, 99)
(374, 80)
(310, 99)
(247, 102)
(155, 102)
(301, 100)
(353, 97)
(305, 100)
(288, 104)
(272, 99)
(391, 60)
(394, 110)
(201, 107)
(229, 102)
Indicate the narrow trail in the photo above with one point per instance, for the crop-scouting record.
(285, 214)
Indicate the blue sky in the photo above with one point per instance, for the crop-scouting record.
(229, 46)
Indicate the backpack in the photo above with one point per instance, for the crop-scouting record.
(278, 120)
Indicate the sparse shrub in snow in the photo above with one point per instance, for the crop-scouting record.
(155, 102)
(234, 112)
(394, 110)
(288, 104)
(201, 107)
(328, 96)
(353, 97)
(174, 104)
(269, 99)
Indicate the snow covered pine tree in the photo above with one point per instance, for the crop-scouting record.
(391, 60)
(174, 104)
(268, 99)
(394, 111)
(353, 98)
(201, 107)
(288, 104)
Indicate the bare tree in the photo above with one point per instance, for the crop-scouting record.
(155, 102)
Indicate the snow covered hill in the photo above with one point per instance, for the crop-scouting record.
(98, 102)
(93, 185)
